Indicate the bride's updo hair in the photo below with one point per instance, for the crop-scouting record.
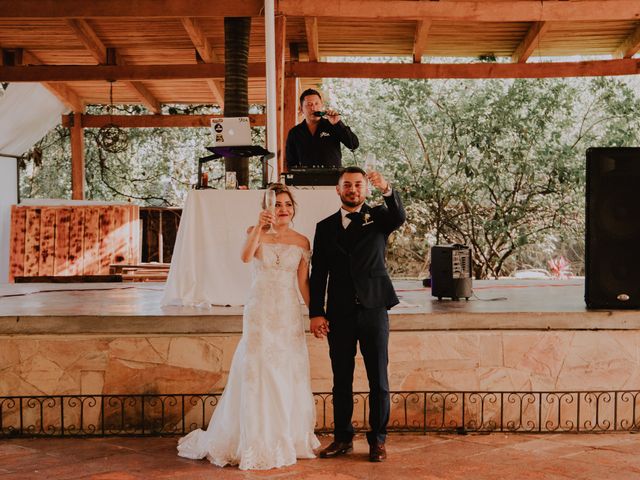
(280, 188)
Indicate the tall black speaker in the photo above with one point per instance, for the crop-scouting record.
(612, 263)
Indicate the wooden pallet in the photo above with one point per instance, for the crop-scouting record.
(142, 272)
(72, 240)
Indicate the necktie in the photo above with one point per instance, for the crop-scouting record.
(353, 229)
(355, 217)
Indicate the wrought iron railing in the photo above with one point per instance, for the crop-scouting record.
(417, 411)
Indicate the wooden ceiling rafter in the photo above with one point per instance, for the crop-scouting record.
(477, 11)
(630, 46)
(627, 66)
(207, 54)
(530, 42)
(420, 40)
(154, 121)
(467, 11)
(80, 73)
(92, 42)
(313, 46)
(128, 8)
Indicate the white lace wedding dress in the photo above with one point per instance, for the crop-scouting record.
(266, 415)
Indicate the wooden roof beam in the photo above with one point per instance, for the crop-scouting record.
(530, 42)
(467, 11)
(128, 8)
(311, 26)
(80, 73)
(630, 46)
(155, 121)
(454, 70)
(205, 50)
(148, 99)
(462, 10)
(89, 38)
(199, 40)
(420, 40)
(77, 73)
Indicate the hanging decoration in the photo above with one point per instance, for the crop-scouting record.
(111, 138)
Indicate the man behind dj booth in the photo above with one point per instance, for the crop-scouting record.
(315, 142)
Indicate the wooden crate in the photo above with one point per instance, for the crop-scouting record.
(72, 240)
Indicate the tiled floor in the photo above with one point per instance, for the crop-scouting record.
(471, 457)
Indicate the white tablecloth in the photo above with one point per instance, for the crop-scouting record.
(206, 268)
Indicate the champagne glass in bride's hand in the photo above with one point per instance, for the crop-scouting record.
(270, 205)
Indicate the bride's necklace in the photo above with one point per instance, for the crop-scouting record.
(277, 236)
(276, 247)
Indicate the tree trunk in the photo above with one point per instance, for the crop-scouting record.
(236, 83)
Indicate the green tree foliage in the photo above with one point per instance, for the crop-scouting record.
(497, 165)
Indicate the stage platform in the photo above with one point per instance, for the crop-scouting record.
(136, 308)
(520, 355)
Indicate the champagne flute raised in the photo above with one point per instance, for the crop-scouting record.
(370, 162)
(270, 206)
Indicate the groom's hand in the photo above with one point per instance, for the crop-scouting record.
(378, 181)
(319, 326)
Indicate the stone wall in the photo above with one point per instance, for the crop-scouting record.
(433, 360)
(451, 361)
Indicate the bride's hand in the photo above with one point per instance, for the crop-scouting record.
(265, 218)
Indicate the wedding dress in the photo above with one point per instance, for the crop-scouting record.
(266, 415)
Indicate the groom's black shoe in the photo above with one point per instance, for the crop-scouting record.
(377, 452)
(336, 448)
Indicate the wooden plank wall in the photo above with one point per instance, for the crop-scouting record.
(72, 240)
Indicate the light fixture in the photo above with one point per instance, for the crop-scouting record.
(111, 137)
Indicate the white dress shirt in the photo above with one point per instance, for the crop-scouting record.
(346, 220)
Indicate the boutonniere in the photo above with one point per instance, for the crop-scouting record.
(324, 134)
(367, 219)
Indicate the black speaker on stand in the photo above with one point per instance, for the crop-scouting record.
(451, 271)
(612, 261)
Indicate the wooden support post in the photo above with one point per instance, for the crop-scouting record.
(290, 113)
(77, 158)
(281, 30)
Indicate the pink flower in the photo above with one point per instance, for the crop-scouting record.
(559, 267)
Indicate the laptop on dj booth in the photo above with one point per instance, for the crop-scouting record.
(231, 131)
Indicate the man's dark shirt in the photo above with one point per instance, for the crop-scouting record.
(321, 149)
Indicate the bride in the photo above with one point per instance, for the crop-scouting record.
(266, 415)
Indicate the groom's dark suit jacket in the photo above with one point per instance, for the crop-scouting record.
(356, 272)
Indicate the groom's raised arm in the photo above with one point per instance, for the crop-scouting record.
(393, 216)
(319, 275)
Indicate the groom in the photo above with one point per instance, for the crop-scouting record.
(348, 252)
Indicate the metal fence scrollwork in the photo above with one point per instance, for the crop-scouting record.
(411, 411)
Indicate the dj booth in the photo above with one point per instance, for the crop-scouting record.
(314, 176)
(296, 176)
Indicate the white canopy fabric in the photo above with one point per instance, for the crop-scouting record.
(27, 112)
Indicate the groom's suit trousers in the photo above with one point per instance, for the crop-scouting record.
(370, 328)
